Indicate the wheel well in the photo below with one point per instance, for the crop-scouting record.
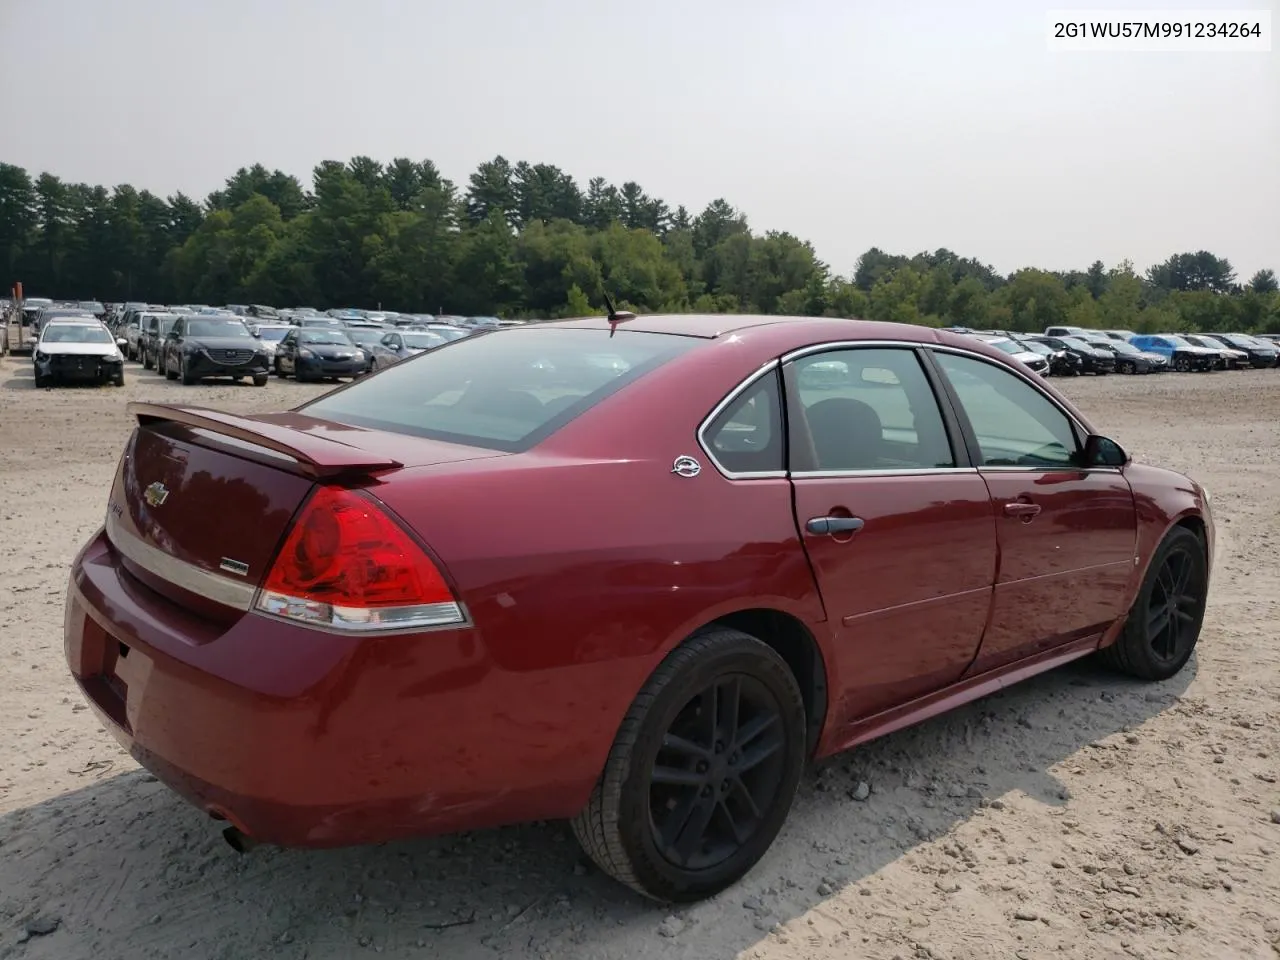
(792, 641)
(1196, 526)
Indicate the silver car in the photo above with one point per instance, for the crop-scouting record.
(397, 345)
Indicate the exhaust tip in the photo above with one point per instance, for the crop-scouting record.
(238, 841)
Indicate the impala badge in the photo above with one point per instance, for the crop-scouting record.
(156, 494)
(686, 467)
(234, 566)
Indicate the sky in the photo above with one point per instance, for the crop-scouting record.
(903, 125)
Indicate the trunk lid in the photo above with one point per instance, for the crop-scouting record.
(203, 499)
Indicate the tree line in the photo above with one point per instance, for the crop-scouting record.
(526, 240)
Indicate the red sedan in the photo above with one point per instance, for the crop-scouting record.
(634, 574)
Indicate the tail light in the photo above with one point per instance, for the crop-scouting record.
(346, 565)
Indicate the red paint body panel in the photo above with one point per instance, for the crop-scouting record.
(1064, 573)
(909, 594)
(580, 563)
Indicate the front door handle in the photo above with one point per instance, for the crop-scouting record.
(828, 525)
(1022, 509)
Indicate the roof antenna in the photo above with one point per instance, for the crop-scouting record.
(615, 315)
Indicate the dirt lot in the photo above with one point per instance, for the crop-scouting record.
(1077, 815)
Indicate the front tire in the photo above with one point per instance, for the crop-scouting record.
(260, 381)
(703, 770)
(1162, 629)
(187, 378)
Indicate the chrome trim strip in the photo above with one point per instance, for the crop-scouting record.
(1049, 468)
(852, 344)
(180, 573)
(354, 620)
(1033, 381)
(904, 472)
(719, 408)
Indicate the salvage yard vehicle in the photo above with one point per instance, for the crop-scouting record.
(199, 347)
(1182, 355)
(1262, 353)
(154, 327)
(401, 344)
(80, 350)
(1235, 358)
(1129, 359)
(1062, 363)
(371, 616)
(317, 352)
(1016, 349)
(1258, 354)
(1092, 359)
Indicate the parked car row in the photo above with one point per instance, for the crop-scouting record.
(194, 342)
(1071, 351)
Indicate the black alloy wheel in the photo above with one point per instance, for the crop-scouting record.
(702, 772)
(1175, 606)
(716, 772)
(1164, 624)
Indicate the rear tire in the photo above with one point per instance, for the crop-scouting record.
(686, 828)
(1161, 631)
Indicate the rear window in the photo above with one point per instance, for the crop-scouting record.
(506, 390)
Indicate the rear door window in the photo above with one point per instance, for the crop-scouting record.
(865, 408)
(505, 390)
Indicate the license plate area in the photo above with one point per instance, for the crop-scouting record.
(111, 672)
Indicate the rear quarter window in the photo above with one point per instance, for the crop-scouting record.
(505, 390)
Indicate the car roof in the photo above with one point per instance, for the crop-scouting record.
(714, 326)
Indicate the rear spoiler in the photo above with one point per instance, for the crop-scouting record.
(317, 457)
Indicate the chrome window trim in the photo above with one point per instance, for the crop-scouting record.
(850, 344)
(946, 348)
(1030, 378)
(904, 472)
(180, 573)
(769, 367)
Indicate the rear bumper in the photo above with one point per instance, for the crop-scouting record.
(305, 738)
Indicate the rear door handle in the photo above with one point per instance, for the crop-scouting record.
(1021, 509)
(827, 525)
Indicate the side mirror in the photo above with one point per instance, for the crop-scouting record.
(121, 342)
(1104, 452)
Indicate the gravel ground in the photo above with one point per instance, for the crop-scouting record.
(1076, 815)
